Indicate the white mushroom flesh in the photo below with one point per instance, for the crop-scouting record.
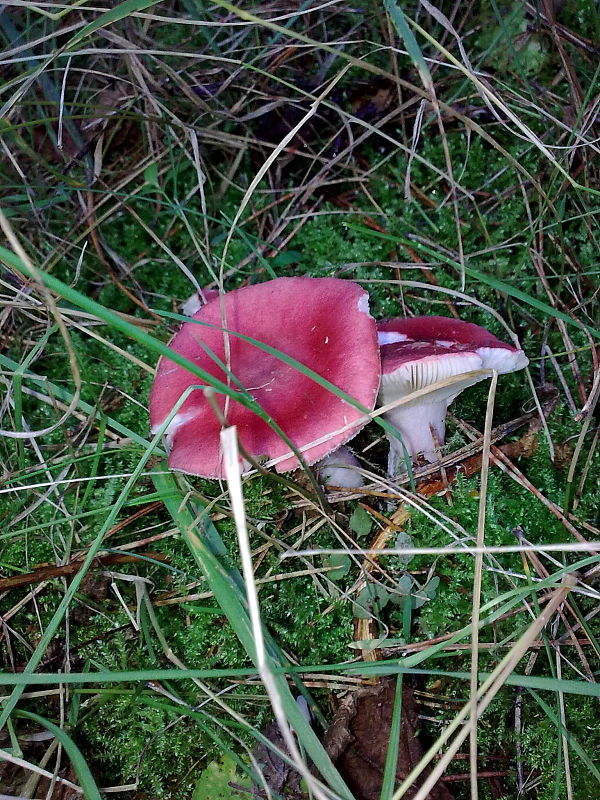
(341, 468)
(502, 359)
(420, 422)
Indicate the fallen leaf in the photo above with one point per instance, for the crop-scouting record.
(357, 741)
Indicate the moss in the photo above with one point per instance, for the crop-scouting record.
(542, 743)
(156, 746)
(314, 630)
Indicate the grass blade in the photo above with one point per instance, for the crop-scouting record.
(78, 762)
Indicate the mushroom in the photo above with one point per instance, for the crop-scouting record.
(323, 323)
(341, 468)
(422, 351)
(449, 333)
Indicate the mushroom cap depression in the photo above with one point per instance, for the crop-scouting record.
(450, 333)
(324, 323)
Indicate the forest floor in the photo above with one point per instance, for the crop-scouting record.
(446, 159)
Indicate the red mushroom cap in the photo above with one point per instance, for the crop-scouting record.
(324, 323)
(450, 333)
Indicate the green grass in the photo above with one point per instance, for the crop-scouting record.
(499, 221)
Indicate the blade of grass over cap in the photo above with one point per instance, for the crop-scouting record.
(273, 351)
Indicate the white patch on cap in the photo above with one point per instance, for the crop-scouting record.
(444, 343)
(191, 305)
(363, 303)
(390, 337)
(178, 420)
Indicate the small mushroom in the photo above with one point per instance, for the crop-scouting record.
(323, 323)
(421, 351)
(341, 468)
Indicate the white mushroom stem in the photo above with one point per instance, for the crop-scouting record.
(415, 425)
(341, 468)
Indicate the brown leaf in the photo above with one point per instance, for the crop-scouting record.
(357, 741)
(279, 776)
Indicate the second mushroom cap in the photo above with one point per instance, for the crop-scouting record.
(422, 351)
